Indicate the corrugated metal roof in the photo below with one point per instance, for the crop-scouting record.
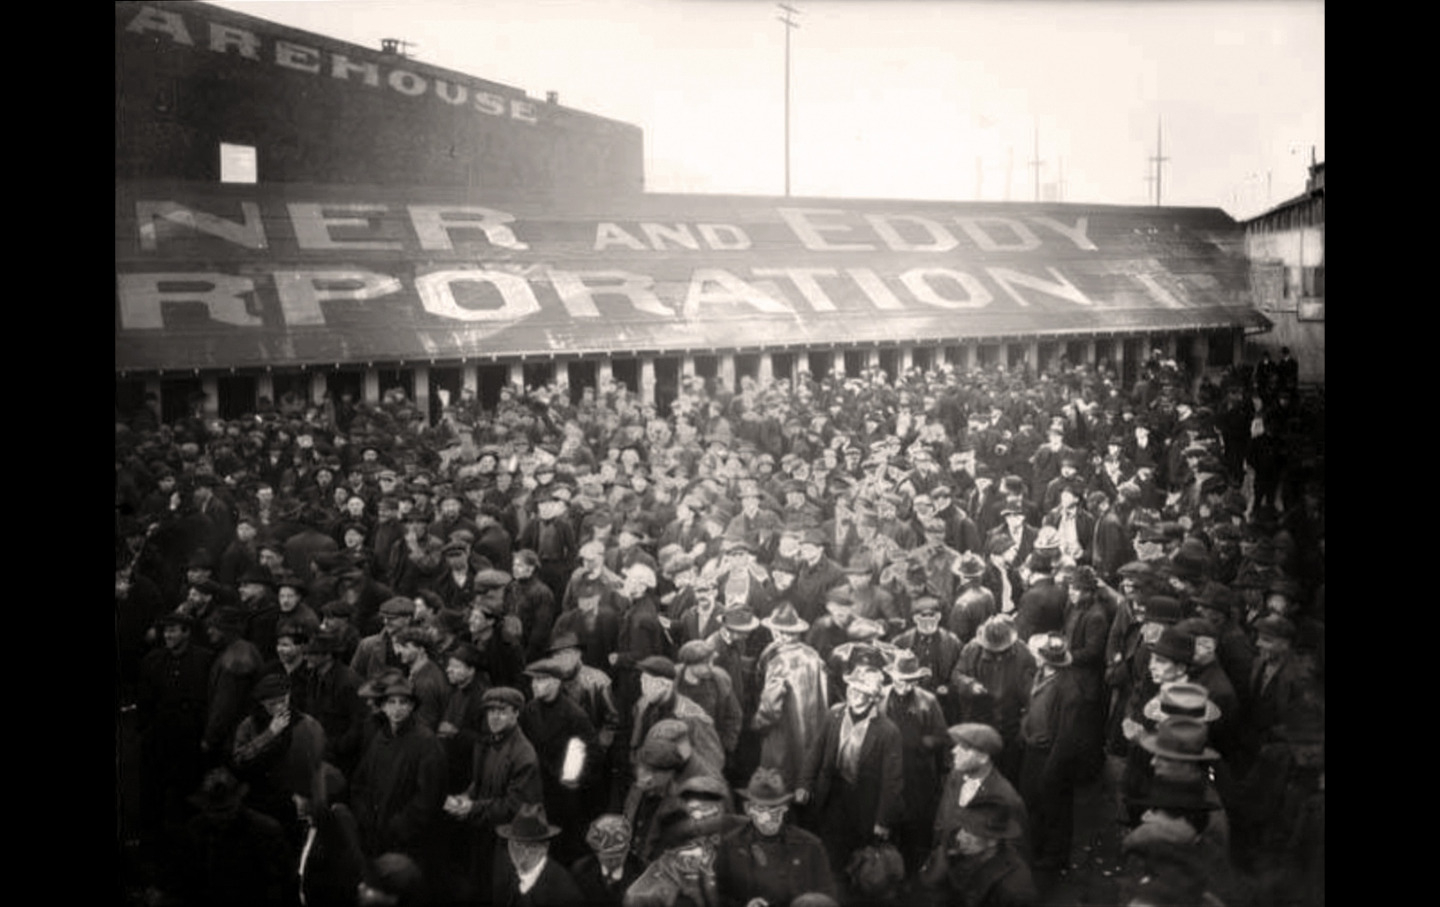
(244, 276)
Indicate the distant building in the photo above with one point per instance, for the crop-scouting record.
(298, 217)
(1286, 248)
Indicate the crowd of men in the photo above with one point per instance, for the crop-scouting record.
(846, 640)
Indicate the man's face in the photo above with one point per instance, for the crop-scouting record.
(522, 569)
(397, 708)
(1163, 670)
(407, 652)
(355, 506)
(394, 623)
(450, 508)
(545, 687)
(782, 579)
(1271, 648)
(250, 592)
(525, 856)
(653, 686)
(245, 531)
(175, 636)
(458, 672)
(287, 650)
(479, 621)
(927, 622)
(859, 700)
(810, 553)
(500, 718)
(966, 760)
(768, 820)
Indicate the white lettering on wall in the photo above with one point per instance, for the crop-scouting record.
(1009, 279)
(150, 19)
(729, 290)
(149, 214)
(1075, 234)
(302, 291)
(802, 222)
(1023, 240)
(941, 239)
(879, 294)
(578, 289)
(341, 67)
(224, 37)
(725, 237)
(312, 226)
(433, 224)
(296, 56)
(608, 234)
(678, 234)
(437, 297)
(407, 83)
(142, 295)
(919, 282)
(805, 281)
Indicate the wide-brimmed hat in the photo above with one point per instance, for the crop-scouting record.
(969, 566)
(529, 825)
(1182, 700)
(998, 633)
(1180, 738)
(766, 788)
(1051, 648)
(786, 620)
(989, 817)
(741, 620)
(907, 667)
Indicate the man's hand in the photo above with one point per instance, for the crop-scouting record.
(802, 795)
(279, 721)
(1130, 728)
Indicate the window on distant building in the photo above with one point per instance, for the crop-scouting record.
(237, 163)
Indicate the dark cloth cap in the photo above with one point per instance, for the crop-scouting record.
(398, 606)
(503, 696)
(978, 736)
(271, 686)
(658, 665)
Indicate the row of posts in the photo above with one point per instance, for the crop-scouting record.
(725, 372)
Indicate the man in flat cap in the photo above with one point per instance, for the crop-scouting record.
(232, 674)
(432, 689)
(710, 687)
(376, 653)
(979, 862)
(171, 699)
(973, 776)
(504, 777)
(660, 700)
(278, 751)
(332, 697)
(398, 788)
(565, 742)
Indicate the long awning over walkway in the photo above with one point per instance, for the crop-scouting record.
(240, 277)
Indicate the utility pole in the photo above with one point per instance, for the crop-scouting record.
(1158, 160)
(789, 25)
(1035, 163)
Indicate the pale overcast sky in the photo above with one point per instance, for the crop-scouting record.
(902, 99)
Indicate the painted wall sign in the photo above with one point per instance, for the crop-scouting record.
(193, 29)
(268, 274)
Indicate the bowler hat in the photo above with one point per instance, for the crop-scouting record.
(1176, 645)
(766, 788)
(1182, 700)
(1180, 738)
(529, 825)
(1162, 609)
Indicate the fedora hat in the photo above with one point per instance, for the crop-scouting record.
(766, 788)
(529, 825)
(969, 566)
(1180, 738)
(907, 667)
(1182, 700)
(786, 620)
(998, 633)
(741, 620)
(1051, 649)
